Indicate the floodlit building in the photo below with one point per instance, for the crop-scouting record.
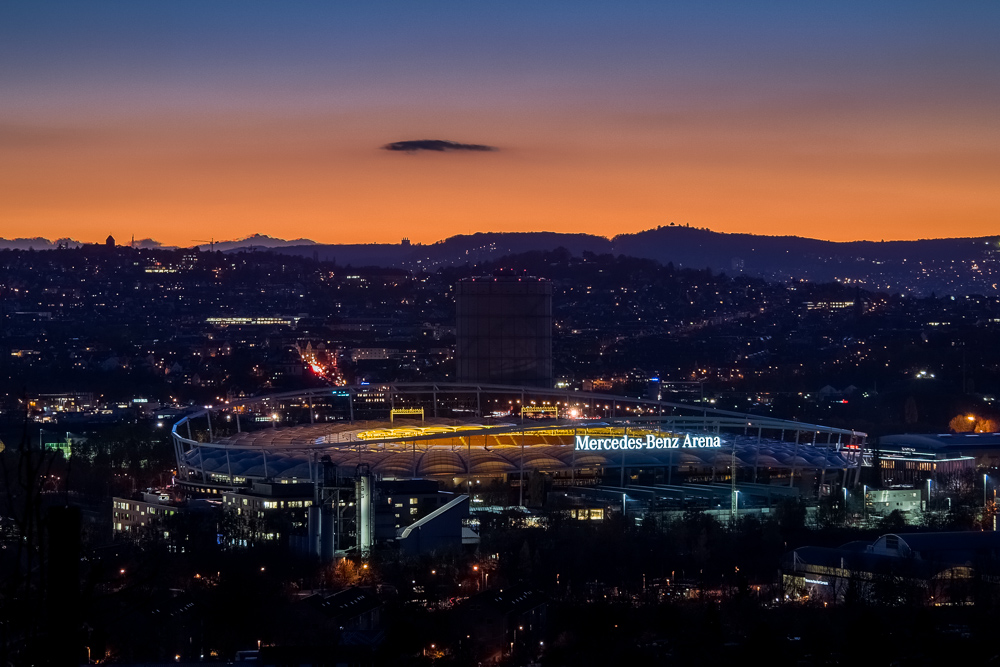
(365, 479)
(580, 440)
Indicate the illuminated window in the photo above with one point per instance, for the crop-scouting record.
(413, 510)
(413, 501)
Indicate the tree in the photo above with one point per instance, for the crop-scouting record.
(791, 516)
(973, 424)
(962, 423)
(345, 573)
(831, 512)
(986, 425)
(893, 522)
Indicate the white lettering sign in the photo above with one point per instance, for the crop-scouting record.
(650, 441)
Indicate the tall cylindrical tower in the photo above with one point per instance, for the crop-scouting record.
(504, 331)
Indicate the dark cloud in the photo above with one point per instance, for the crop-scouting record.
(434, 145)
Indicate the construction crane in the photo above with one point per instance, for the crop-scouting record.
(210, 242)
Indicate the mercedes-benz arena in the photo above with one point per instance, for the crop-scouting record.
(476, 433)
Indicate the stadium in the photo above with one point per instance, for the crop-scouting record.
(463, 435)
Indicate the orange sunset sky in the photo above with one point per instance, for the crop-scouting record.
(183, 122)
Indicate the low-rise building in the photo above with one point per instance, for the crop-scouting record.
(881, 502)
(137, 518)
(267, 511)
(159, 517)
(897, 568)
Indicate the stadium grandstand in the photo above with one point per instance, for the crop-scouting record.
(467, 434)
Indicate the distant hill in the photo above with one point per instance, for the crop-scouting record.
(953, 265)
(456, 250)
(684, 246)
(772, 257)
(253, 241)
(791, 256)
(256, 241)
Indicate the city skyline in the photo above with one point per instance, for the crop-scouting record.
(187, 122)
(514, 333)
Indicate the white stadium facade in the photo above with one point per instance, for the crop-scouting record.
(465, 434)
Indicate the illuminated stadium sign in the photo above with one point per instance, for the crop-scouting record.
(651, 441)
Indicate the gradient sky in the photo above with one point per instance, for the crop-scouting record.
(184, 121)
